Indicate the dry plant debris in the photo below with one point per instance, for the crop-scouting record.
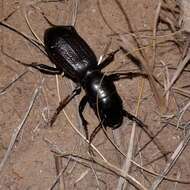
(154, 39)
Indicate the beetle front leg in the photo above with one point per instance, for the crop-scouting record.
(108, 60)
(81, 109)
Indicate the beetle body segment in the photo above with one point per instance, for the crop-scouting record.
(104, 99)
(69, 52)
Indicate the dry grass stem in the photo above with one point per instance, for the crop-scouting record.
(127, 162)
(178, 151)
(19, 128)
(106, 165)
(4, 89)
(154, 31)
(179, 70)
(30, 27)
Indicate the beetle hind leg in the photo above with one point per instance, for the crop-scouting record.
(128, 75)
(82, 105)
(148, 132)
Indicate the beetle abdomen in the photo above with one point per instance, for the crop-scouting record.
(104, 99)
(111, 110)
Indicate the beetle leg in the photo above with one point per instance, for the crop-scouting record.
(108, 60)
(128, 75)
(45, 69)
(64, 102)
(81, 109)
(133, 118)
(40, 67)
(147, 131)
(94, 133)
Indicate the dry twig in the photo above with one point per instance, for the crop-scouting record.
(178, 151)
(19, 128)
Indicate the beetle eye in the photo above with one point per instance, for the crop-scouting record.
(71, 29)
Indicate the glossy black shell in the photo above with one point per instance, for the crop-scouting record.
(104, 99)
(69, 52)
(72, 55)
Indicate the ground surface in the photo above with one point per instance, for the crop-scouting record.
(31, 164)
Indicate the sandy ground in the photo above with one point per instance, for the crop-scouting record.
(31, 164)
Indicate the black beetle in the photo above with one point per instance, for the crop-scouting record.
(75, 59)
